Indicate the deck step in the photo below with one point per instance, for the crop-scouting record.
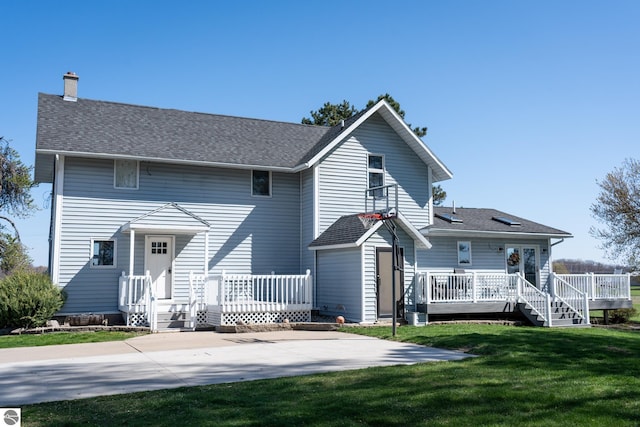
(561, 316)
(173, 320)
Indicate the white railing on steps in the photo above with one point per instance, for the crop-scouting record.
(540, 302)
(571, 297)
(137, 296)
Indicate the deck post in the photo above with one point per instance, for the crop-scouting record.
(592, 285)
(548, 309)
(206, 252)
(132, 241)
(474, 281)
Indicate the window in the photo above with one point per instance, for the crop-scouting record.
(103, 253)
(260, 183)
(159, 248)
(375, 169)
(125, 174)
(464, 253)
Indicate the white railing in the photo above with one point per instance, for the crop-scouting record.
(540, 302)
(600, 286)
(244, 293)
(436, 287)
(136, 295)
(570, 296)
(197, 296)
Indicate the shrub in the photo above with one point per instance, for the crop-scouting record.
(28, 299)
(622, 315)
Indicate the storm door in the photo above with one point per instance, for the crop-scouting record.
(159, 262)
(524, 259)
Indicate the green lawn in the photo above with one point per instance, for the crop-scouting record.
(36, 340)
(523, 376)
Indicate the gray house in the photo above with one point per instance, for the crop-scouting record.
(169, 216)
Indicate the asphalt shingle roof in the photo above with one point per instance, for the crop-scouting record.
(109, 128)
(480, 219)
(346, 230)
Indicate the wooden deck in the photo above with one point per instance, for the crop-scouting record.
(439, 293)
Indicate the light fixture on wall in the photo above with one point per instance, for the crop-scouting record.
(544, 250)
(500, 249)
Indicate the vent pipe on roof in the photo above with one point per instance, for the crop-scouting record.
(70, 86)
(454, 207)
(341, 124)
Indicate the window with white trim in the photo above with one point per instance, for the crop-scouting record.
(126, 174)
(103, 253)
(464, 253)
(260, 183)
(375, 171)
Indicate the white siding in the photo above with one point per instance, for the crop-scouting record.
(485, 253)
(382, 239)
(307, 223)
(339, 283)
(244, 231)
(343, 174)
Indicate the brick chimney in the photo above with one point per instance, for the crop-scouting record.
(70, 86)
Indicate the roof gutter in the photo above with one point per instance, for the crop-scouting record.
(483, 233)
(165, 160)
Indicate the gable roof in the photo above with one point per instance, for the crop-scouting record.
(439, 171)
(169, 217)
(479, 221)
(348, 231)
(102, 129)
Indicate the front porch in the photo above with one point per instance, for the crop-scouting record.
(221, 300)
(567, 302)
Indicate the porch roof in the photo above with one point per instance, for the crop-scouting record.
(168, 218)
(348, 232)
(485, 222)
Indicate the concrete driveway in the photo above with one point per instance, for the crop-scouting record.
(169, 360)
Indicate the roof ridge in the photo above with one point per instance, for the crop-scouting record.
(189, 111)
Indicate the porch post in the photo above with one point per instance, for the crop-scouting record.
(132, 240)
(206, 252)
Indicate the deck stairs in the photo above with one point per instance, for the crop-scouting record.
(561, 316)
(173, 320)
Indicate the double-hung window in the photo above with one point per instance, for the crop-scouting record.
(375, 170)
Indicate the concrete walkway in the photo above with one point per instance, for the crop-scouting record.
(169, 360)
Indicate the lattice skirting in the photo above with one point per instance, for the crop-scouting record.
(216, 318)
(137, 319)
(202, 319)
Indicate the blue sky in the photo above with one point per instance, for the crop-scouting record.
(528, 103)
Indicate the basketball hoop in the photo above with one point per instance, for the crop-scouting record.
(368, 219)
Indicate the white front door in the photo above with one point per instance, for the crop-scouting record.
(159, 262)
